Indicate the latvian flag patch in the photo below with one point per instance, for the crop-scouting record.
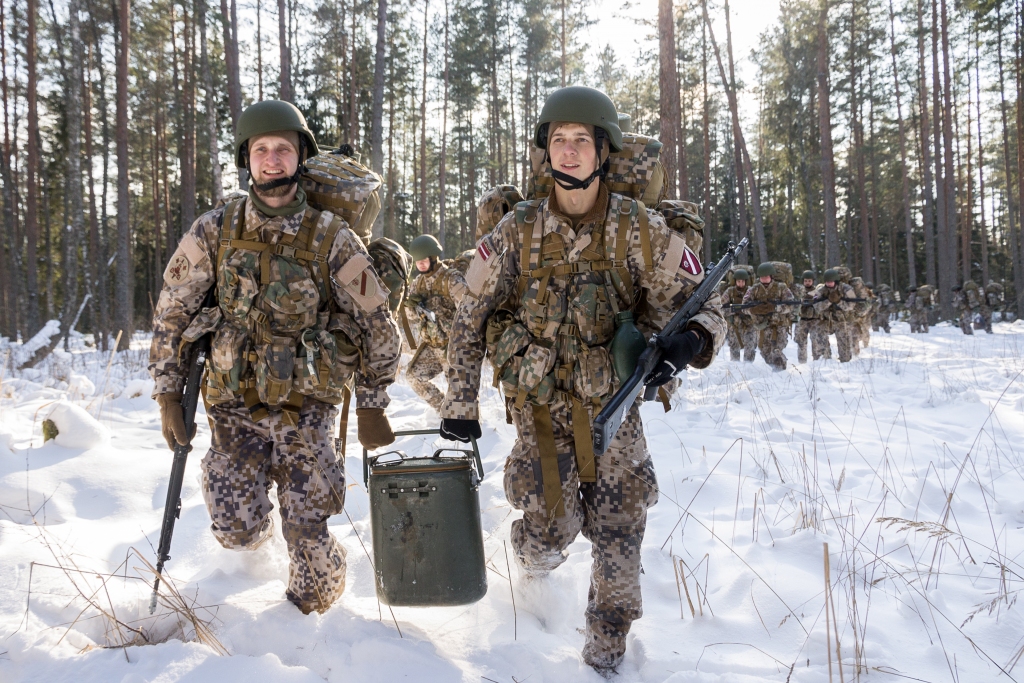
(484, 249)
(690, 263)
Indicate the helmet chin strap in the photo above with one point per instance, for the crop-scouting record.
(568, 182)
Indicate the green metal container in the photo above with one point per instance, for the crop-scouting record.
(428, 546)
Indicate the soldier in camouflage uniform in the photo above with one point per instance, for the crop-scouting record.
(993, 300)
(886, 305)
(962, 305)
(860, 321)
(299, 313)
(434, 295)
(771, 320)
(804, 329)
(544, 289)
(742, 336)
(975, 298)
(835, 312)
(918, 311)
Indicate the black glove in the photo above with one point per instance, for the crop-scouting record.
(460, 430)
(676, 352)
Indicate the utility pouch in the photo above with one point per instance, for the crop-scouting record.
(236, 292)
(207, 320)
(535, 379)
(229, 358)
(512, 341)
(499, 321)
(274, 369)
(592, 373)
(292, 306)
(545, 309)
(592, 313)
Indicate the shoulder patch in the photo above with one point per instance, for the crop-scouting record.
(179, 270)
(193, 251)
(359, 279)
(484, 262)
(679, 259)
(690, 263)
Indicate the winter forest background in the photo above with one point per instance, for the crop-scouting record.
(882, 134)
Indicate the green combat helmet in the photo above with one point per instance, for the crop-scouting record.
(831, 275)
(766, 269)
(625, 122)
(271, 116)
(425, 246)
(808, 275)
(580, 104)
(741, 275)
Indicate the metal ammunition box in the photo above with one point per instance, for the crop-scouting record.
(425, 518)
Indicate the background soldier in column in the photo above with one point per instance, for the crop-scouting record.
(566, 272)
(771, 320)
(299, 312)
(863, 311)
(434, 294)
(804, 291)
(831, 302)
(979, 314)
(884, 308)
(742, 335)
(918, 307)
(963, 310)
(993, 301)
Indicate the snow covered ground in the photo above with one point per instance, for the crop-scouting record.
(908, 462)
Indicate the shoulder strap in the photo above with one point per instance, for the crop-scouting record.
(230, 227)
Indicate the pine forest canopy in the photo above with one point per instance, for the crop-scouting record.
(881, 134)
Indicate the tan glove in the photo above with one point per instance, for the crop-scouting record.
(172, 421)
(373, 428)
(835, 296)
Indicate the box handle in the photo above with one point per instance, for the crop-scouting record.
(478, 464)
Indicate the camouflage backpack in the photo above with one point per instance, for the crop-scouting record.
(493, 205)
(392, 263)
(925, 294)
(340, 184)
(462, 261)
(783, 272)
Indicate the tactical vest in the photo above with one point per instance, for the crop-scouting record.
(551, 340)
(279, 335)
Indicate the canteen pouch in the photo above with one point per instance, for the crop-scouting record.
(499, 321)
(275, 363)
(511, 343)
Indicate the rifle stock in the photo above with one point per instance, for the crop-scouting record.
(196, 363)
(608, 421)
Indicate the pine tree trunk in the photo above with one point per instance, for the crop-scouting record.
(123, 285)
(95, 263)
(904, 175)
(668, 99)
(564, 82)
(833, 256)
(12, 269)
(353, 85)
(1018, 256)
(73, 112)
(424, 213)
(229, 21)
(282, 37)
(857, 152)
(928, 210)
(217, 191)
(443, 161)
(187, 135)
(950, 178)
(709, 223)
(32, 322)
(1018, 270)
(942, 246)
(377, 112)
(967, 212)
(981, 160)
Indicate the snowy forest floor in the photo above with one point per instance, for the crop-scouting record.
(908, 462)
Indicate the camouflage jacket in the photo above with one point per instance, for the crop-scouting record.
(566, 330)
(733, 296)
(355, 287)
(773, 291)
(805, 294)
(838, 311)
(439, 291)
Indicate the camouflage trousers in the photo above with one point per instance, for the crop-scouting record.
(611, 513)
(966, 320)
(919, 322)
(804, 329)
(844, 339)
(742, 337)
(881, 321)
(427, 365)
(771, 341)
(860, 330)
(245, 458)
(986, 318)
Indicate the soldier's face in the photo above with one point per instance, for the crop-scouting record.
(274, 156)
(741, 284)
(423, 265)
(766, 279)
(808, 282)
(830, 283)
(572, 150)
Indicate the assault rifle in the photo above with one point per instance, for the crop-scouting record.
(608, 421)
(198, 352)
(423, 311)
(740, 307)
